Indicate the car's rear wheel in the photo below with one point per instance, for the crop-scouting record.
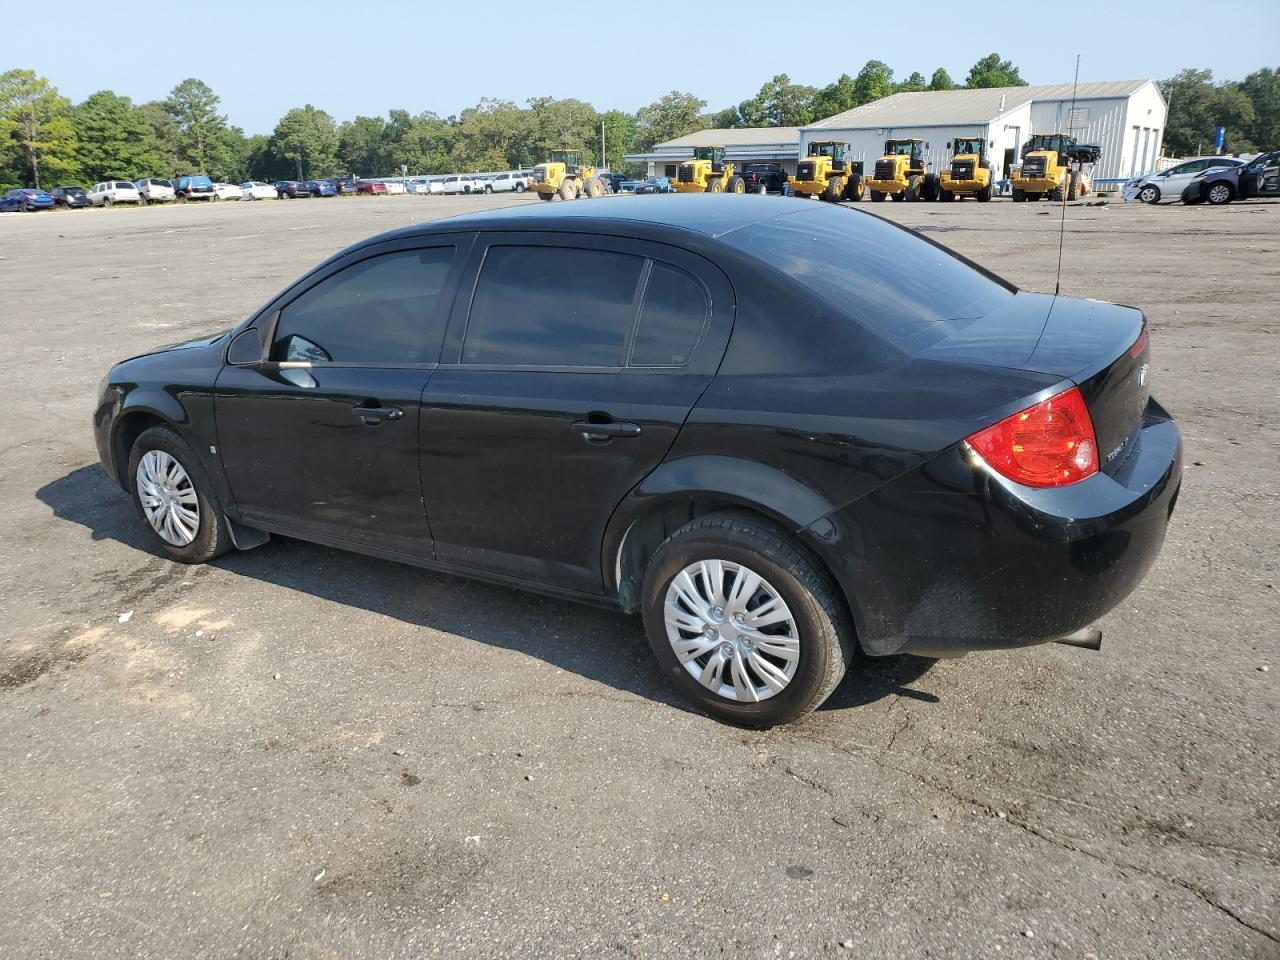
(174, 499)
(1218, 194)
(746, 625)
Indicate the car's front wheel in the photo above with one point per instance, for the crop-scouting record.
(1149, 194)
(173, 497)
(746, 625)
(1219, 193)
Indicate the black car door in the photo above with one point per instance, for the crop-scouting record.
(566, 374)
(322, 438)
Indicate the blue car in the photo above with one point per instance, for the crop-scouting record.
(322, 188)
(25, 198)
(654, 185)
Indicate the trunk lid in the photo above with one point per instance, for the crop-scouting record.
(1102, 347)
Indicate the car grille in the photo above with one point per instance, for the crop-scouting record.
(686, 173)
(804, 171)
(886, 169)
(1033, 167)
(962, 170)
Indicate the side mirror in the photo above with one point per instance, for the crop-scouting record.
(245, 349)
(948, 144)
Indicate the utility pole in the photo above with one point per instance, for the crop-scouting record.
(603, 162)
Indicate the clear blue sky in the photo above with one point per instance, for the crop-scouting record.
(348, 59)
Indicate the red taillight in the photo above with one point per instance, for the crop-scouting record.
(1139, 345)
(1049, 445)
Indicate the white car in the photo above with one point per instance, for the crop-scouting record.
(462, 183)
(226, 191)
(423, 187)
(154, 190)
(253, 190)
(511, 182)
(394, 186)
(1169, 184)
(113, 191)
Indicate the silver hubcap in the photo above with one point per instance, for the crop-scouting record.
(732, 630)
(1219, 194)
(1149, 195)
(168, 498)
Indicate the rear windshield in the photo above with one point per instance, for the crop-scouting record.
(123, 185)
(900, 286)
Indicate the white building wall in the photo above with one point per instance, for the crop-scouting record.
(1129, 129)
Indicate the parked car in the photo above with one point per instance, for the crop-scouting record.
(509, 182)
(613, 181)
(462, 183)
(421, 186)
(680, 407)
(154, 190)
(25, 199)
(346, 185)
(654, 185)
(1260, 177)
(291, 189)
(111, 192)
(1169, 184)
(371, 187)
(394, 186)
(763, 177)
(255, 190)
(73, 198)
(226, 191)
(194, 186)
(322, 188)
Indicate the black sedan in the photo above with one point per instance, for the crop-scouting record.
(1260, 177)
(699, 408)
(73, 198)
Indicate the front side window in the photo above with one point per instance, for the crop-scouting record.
(552, 307)
(381, 310)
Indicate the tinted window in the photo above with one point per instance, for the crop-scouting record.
(380, 310)
(895, 283)
(672, 317)
(552, 307)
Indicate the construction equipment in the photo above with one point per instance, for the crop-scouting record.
(827, 174)
(1053, 166)
(707, 172)
(903, 173)
(969, 175)
(566, 176)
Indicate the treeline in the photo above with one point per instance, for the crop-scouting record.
(45, 139)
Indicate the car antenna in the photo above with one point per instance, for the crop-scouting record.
(1062, 223)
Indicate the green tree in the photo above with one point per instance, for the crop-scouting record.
(780, 103)
(561, 123)
(1197, 107)
(193, 106)
(308, 139)
(619, 136)
(229, 155)
(874, 80)
(422, 143)
(493, 135)
(361, 145)
(1262, 87)
(913, 84)
(163, 135)
(941, 80)
(115, 140)
(668, 117)
(37, 126)
(991, 71)
(835, 98)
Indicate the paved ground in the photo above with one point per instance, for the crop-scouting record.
(301, 753)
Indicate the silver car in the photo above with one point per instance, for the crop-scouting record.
(1169, 184)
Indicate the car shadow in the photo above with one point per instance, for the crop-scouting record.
(598, 644)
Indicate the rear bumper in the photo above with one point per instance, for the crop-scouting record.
(960, 186)
(807, 187)
(887, 186)
(952, 557)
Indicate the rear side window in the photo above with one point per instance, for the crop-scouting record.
(893, 282)
(672, 318)
(381, 310)
(552, 307)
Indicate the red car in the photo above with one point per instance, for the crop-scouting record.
(367, 186)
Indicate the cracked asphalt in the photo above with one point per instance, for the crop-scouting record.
(301, 753)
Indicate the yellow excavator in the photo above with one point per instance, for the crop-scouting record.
(827, 174)
(1053, 166)
(903, 173)
(564, 175)
(969, 175)
(708, 172)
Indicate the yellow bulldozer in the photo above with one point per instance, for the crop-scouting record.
(969, 175)
(903, 173)
(827, 174)
(1054, 165)
(708, 172)
(564, 175)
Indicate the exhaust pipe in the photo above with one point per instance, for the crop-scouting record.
(1090, 638)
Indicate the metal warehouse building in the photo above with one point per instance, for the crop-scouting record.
(1126, 117)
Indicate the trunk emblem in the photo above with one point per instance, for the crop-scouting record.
(1142, 374)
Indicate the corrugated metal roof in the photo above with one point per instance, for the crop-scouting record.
(958, 107)
(735, 137)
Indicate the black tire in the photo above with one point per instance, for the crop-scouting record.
(519, 188)
(736, 185)
(1218, 193)
(945, 196)
(984, 194)
(593, 189)
(822, 620)
(214, 198)
(929, 188)
(107, 201)
(1057, 194)
(212, 539)
(568, 189)
(1019, 196)
(715, 185)
(854, 189)
(912, 193)
(877, 196)
(1073, 186)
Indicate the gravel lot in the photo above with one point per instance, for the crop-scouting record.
(297, 752)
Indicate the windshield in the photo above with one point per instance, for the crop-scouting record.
(901, 148)
(902, 287)
(565, 156)
(968, 146)
(1054, 142)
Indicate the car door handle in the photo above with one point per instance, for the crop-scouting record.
(372, 415)
(606, 431)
